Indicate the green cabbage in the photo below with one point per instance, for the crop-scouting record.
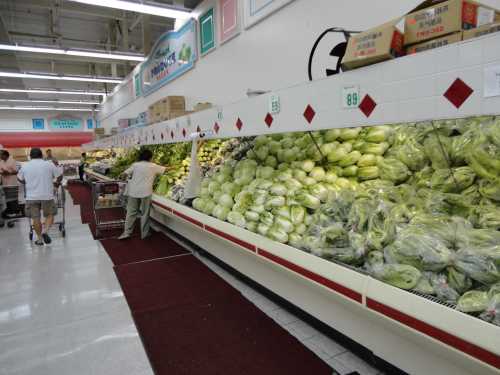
(237, 219)
(453, 181)
(473, 301)
(399, 275)
(367, 160)
(393, 170)
(350, 159)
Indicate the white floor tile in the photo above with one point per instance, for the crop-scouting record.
(62, 310)
(349, 360)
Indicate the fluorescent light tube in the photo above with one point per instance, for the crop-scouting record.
(59, 78)
(48, 109)
(43, 91)
(145, 8)
(73, 52)
(48, 101)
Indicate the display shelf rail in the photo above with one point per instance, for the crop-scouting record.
(405, 329)
(444, 83)
(98, 176)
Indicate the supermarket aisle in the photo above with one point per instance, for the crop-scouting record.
(62, 310)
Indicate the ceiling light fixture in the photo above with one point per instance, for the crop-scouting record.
(154, 9)
(14, 108)
(44, 91)
(48, 101)
(73, 52)
(60, 78)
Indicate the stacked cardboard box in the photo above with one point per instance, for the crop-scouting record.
(202, 106)
(166, 109)
(433, 24)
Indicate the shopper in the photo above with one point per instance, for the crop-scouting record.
(38, 176)
(82, 165)
(139, 190)
(8, 169)
(50, 157)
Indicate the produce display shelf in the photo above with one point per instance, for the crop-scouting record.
(409, 331)
(444, 83)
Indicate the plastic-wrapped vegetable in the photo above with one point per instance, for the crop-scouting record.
(263, 229)
(274, 202)
(318, 174)
(399, 275)
(308, 200)
(443, 289)
(297, 214)
(252, 216)
(349, 133)
(490, 190)
(452, 181)
(458, 280)
(424, 286)
(283, 224)
(378, 149)
(278, 234)
(411, 154)
(480, 264)
(295, 240)
(332, 135)
(489, 217)
(436, 148)
(337, 154)
(492, 313)
(393, 170)
(417, 248)
(473, 301)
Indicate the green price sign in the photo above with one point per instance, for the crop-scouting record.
(350, 97)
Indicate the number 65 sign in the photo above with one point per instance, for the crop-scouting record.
(350, 97)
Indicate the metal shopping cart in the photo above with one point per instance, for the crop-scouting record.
(10, 207)
(60, 219)
(109, 205)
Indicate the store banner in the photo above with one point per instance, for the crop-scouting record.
(65, 122)
(229, 20)
(174, 53)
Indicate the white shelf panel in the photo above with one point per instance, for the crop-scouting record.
(407, 89)
(463, 343)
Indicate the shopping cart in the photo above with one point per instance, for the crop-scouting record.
(108, 204)
(60, 219)
(10, 207)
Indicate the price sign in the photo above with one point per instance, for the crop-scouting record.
(274, 104)
(220, 115)
(350, 97)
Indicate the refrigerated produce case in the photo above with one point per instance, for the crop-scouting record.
(417, 333)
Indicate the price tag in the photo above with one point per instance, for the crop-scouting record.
(274, 104)
(350, 97)
(220, 115)
(492, 81)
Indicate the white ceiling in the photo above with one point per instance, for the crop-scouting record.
(66, 24)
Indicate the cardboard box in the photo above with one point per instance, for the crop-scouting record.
(175, 114)
(99, 131)
(173, 103)
(375, 45)
(434, 43)
(202, 106)
(480, 31)
(444, 18)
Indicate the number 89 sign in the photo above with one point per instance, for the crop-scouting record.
(350, 97)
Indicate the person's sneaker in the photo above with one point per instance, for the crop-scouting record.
(124, 236)
(39, 242)
(46, 238)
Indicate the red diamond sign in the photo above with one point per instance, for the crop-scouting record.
(184, 132)
(154, 137)
(458, 93)
(309, 113)
(269, 120)
(162, 136)
(216, 128)
(172, 134)
(367, 105)
(198, 129)
(239, 124)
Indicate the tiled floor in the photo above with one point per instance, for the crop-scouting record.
(62, 310)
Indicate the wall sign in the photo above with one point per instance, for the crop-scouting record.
(229, 19)
(207, 32)
(172, 55)
(65, 122)
(38, 124)
(256, 10)
(90, 123)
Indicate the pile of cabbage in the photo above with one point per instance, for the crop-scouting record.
(415, 205)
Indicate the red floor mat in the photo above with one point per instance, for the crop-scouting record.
(155, 285)
(137, 250)
(206, 326)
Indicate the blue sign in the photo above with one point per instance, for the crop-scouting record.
(90, 123)
(172, 55)
(38, 124)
